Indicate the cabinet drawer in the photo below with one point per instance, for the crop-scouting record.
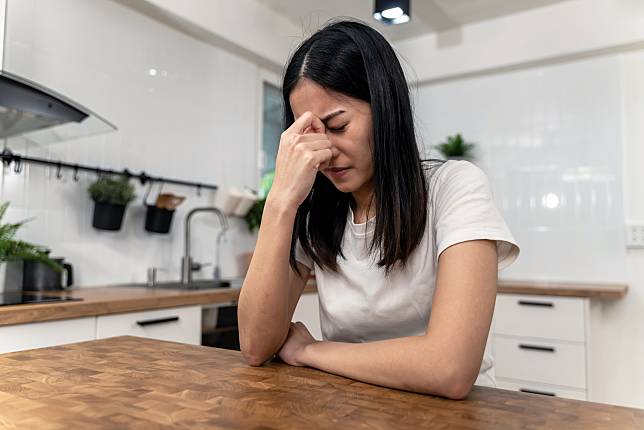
(559, 318)
(43, 334)
(175, 324)
(543, 389)
(543, 361)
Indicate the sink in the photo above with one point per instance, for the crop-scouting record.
(207, 284)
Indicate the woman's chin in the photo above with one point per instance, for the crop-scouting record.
(343, 186)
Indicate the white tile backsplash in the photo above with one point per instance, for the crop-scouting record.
(195, 120)
(549, 139)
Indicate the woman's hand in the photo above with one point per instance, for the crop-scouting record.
(304, 149)
(297, 339)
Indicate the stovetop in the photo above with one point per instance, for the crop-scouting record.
(8, 298)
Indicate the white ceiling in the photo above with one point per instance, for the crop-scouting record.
(427, 16)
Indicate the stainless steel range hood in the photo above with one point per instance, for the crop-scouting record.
(40, 115)
(24, 108)
(36, 113)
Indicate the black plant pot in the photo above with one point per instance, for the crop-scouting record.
(108, 216)
(158, 220)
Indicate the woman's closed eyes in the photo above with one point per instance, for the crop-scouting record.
(337, 129)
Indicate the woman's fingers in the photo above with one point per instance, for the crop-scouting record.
(314, 145)
(301, 138)
(307, 122)
(304, 149)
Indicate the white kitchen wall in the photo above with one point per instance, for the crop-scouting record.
(562, 146)
(617, 347)
(184, 109)
(549, 139)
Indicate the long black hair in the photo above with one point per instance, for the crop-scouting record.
(353, 59)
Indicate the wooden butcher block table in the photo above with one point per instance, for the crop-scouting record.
(131, 382)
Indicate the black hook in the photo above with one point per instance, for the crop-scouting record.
(17, 167)
(198, 190)
(143, 178)
(7, 157)
(75, 173)
(59, 173)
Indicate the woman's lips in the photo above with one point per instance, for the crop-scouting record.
(338, 172)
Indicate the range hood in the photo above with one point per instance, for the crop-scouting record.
(40, 115)
(35, 113)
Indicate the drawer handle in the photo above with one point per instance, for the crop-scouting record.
(157, 321)
(543, 393)
(533, 303)
(537, 348)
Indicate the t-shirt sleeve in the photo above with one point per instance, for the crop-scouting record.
(301, 256)
(464, 209)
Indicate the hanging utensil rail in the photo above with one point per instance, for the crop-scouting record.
(9, 157)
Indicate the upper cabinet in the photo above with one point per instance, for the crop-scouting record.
(37, 71)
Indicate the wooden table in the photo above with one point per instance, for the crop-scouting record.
(130, 382)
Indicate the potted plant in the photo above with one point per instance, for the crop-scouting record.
(15, 250)
(254, 215)
(456, 148)
(110, 196)
(254, 219)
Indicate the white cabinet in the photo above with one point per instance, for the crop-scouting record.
(181, 324)
(175, 324)
(540, 345)
(43, 334)
(308, 311)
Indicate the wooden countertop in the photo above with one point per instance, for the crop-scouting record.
(131, 382)
(113, 300)
(562, 289)
(118, 299)
(588, 290)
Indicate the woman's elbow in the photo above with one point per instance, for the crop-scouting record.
(455, 383)
(252, 355)
(255, 352)
(457, 390)
(252, 359)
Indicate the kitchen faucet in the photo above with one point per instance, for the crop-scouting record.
(187, 265)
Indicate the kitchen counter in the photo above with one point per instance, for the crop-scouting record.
(114, 299)
(564, 289)
(131, 382)
(559, 289)
(118, 299)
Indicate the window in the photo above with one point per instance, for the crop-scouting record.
(272, 126)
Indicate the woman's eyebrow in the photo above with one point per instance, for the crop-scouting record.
(331, 115)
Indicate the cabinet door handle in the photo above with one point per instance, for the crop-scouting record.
(537, 348)
(535, 303)
(543, 393)
(157, 321)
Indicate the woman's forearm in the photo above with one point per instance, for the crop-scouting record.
(414, 363)
(263, 308)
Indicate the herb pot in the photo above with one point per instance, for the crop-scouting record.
(158, 220)
(108, 216)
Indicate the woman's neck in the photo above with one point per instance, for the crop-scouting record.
(364, 206)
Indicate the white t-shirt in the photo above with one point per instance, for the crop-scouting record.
(360, 304)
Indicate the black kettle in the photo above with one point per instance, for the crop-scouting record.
(37, 276)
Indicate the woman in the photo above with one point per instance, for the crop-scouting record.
(405, 254)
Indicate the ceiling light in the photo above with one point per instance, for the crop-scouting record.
(392, 11)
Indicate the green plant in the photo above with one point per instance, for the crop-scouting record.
(12, 249)
(117, 191)
(254, 215)
(455, 146)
